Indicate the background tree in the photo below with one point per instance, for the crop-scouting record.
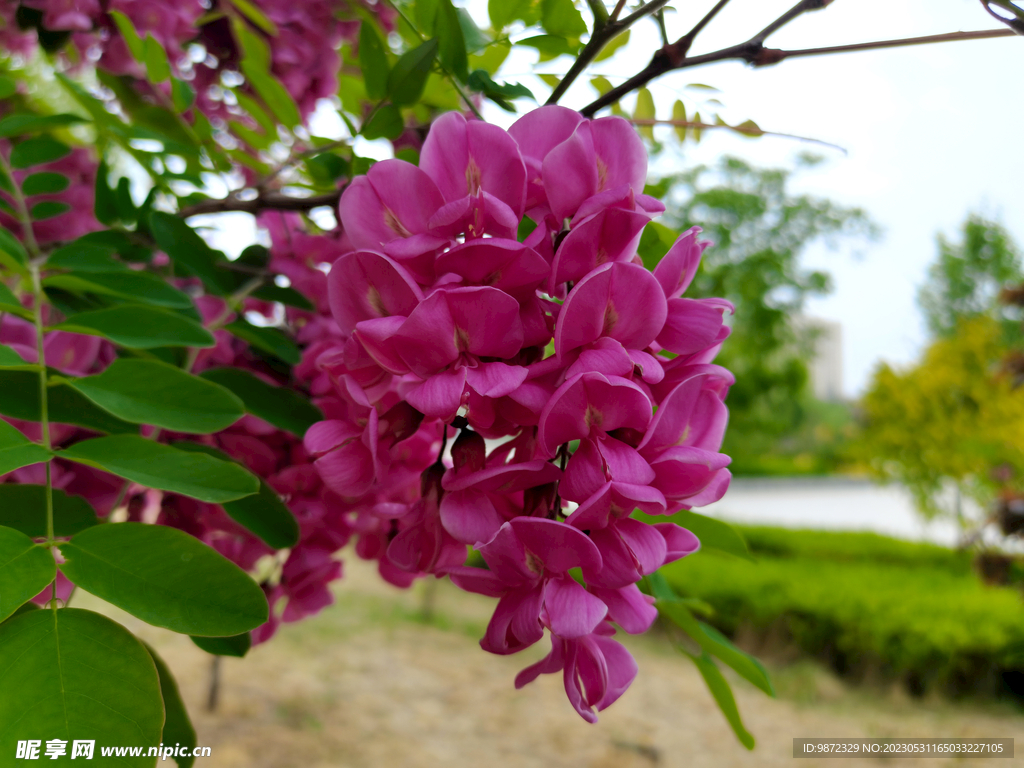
(967, 276)
(760, 228)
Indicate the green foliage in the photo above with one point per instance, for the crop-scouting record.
(283, 408)
(949, 420)
(160, 466)
(863, 602)
(25, 569)
(139, 327)
(966, 277)
(713, 533)
(177, 724)
(163, 576)
(151, 392)
(236, 645)
(73, 674)
(16, 450)
(20, 399)
(759, 228)
(23, 507)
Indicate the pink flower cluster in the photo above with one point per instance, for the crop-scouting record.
(569, 372)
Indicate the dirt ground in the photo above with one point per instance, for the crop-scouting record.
(369, 684)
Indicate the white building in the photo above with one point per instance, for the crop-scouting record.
(826, 366)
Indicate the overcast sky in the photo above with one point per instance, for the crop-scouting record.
(932, 133)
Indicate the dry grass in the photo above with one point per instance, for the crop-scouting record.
(368, 684)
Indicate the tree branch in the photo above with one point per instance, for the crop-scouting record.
(265, 201)
(756, 54)
(686, 40)
(598, 39)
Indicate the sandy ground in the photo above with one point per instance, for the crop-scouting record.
(369, 684)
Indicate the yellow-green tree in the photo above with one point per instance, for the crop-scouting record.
(947, 423)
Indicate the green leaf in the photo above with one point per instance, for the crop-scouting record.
(256, 16)
(16, 450)
(44, 183)
(158, 70)
(284, 408)
(237, 645)
(23, 507)
(20, 124)
(37, 151)
(262, 513)
(385, 123)
(19, 399)
(177, 725)
(124, 284)
(713, 534)
(722, 694)
(166, 578)
(8, 87)
(374, 62)
(13, 249)
(105, 206)
(48, 209)
(561, 17)
(267, 339)
(73, 674)
(425, 14)
(179, 241)
(9, 303)
(125, 205)
(716, 644)
(451, 42)
(135, 44)
(8, 357)
(480, 81)
(551, 45)
(644, 110)
(25, 570)
(139, 327)
(612, 46)
(409, 75)
(168, 469)
(288, 296)
(151, 392)
(504, 12)
(273, 93)
(182, 95)
(23, 608)
(679, 115)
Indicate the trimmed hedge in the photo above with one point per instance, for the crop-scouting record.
(869, 605)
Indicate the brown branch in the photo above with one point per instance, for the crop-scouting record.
(600, 37)
(756, 54)
(265, 201)
(686, 40)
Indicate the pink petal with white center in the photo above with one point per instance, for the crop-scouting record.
(621, 301)
(440, 396)
(479, 581)
(378, 340)
(571, 610)
(495, 379)
(498, 262)
(395, 199)
(470, 517)
(676, 270)
(609, 236)
(328, 435)
(348, 471)
(620, 154)
(590, 404)
(558, 546)
(363, 285)
(516, 622)
(694, 325)
(684, 471)
(467, 157)
(504, 479)
(679, 542)
(628, 607)
(570, 173)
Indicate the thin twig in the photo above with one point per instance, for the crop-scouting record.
(687, 40)
(1016, 24)
(271, 200)
(598, 40)
(759, 56)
